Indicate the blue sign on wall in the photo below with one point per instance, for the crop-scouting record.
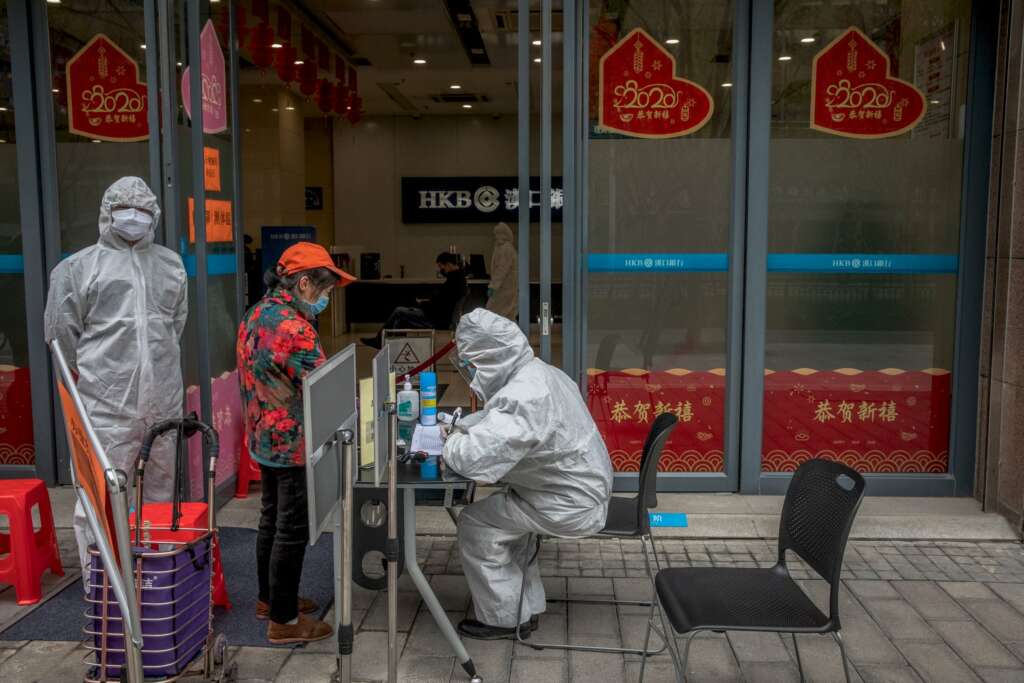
(277, 238)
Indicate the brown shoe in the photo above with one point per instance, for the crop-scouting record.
(307, 630)
(306, 606)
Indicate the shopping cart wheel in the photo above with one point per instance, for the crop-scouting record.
(220, 650)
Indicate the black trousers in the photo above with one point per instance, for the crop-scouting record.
(282, 538)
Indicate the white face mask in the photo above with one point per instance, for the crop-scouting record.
(131, 224)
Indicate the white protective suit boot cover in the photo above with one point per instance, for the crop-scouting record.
(536, 435)
(118, 311)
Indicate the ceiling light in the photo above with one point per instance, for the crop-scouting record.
(419, 61)
(276, 46)
(785, 58)
(143, 46)
(53, 2)
(727, 84)
(467, 106)
(808, 40)
(3, 142)
(56, 90)
(537, 43)
(96, 141)
(298, 62)
(672, 41)
(179, 63)
(248, 130)
(942, 44)
(936, 102)
(274, 109)
(257, 100)
(536, 60)
(349, 108)
(289, 108)
(455, 86)
(3, 108)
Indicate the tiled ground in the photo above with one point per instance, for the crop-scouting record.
(912, 611)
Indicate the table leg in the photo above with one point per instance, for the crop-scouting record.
(436, 611)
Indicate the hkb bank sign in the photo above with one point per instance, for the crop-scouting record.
(474, 199)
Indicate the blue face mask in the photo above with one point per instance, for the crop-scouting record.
(470, 368)
(316, 308)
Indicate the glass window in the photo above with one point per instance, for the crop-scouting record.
(17, 446)
(659, 226)
(97, 48)
(866, 168)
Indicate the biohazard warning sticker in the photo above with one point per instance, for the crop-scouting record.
(407, 353)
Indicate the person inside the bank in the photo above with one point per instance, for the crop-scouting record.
(277, 347)
(534, 434)
(438, 312)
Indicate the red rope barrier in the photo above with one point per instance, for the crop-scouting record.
(433, 359)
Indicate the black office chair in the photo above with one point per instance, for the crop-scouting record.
(820, 506)
(627, 518)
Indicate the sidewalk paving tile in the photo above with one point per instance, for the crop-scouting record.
(976, 646)
(937, 663)
(308, 668)
(538, 671)
(930, 601)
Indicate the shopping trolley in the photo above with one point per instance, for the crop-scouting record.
(173, 570)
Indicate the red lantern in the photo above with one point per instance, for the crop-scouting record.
(307, 78)
(261, 10)
(284, 63)
(356, 111)
(339, 70)
(223, 30)
(325, 95)
(308, 43)
(260, 52)
(341, 97)
(284, 25)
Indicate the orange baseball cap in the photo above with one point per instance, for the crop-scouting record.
(307, 255)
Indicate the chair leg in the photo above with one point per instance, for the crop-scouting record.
(799, 662)
(681, 672)
(842, 652)
(647, 635)
(654, 597)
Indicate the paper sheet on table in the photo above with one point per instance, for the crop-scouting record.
(428, 440)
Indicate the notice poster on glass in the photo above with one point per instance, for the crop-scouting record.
(934, 72)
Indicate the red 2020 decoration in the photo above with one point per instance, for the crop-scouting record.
(854, 95)
(640, 95)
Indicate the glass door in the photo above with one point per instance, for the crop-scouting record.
(661, 181)
(865, 176)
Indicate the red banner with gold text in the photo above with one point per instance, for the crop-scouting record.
(875, 421)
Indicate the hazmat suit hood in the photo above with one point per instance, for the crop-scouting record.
(503, 234)
(128, 192)
(495, 346)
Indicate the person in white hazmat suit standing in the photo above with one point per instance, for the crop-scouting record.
(118, 309)
(535, 435)
(503, 291)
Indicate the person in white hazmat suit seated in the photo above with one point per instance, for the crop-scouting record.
(535, 435)
(117, 309)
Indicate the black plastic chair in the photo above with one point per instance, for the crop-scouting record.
(818, 513)
(627, 518)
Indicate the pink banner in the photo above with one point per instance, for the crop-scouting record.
(227, 420)
(214, 79)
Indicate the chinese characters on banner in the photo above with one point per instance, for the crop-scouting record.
(215, 110)
(218, 220)
(853, 94)
(640, 95)
(211, 169)
(625, 403)
(106, 100)
(874, 421)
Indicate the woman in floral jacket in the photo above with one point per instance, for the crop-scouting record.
(277, 347)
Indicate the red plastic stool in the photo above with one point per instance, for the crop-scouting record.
(28, 552)
(248, 470)
(156, 522)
